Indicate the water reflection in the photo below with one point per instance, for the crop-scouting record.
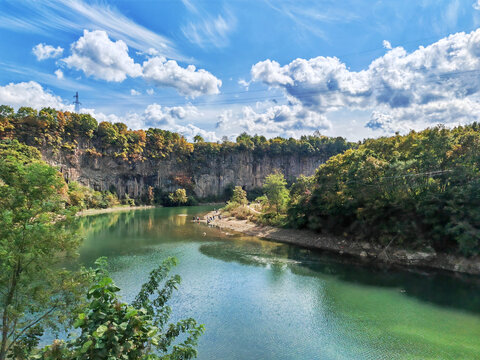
(441, 288)
(265, 300)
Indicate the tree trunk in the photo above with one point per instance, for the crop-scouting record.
(9, 299)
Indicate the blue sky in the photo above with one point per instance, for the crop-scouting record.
(345, 68)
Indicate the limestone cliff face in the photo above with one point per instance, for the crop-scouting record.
(205, 177)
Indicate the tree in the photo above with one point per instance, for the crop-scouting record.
(179, 197)
(239, 196)
(150, 195)
(198, 139)
(245, 141)
(107, 133)
(110, 329)
(6, 117)
(275, 188)
(35, 237)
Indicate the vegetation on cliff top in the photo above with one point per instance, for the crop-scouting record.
(68, 131)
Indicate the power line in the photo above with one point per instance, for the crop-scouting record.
(432, 78)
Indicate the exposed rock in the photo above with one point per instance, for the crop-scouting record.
(206, 177)
(415, 256)
(363, 254)
(366, 246)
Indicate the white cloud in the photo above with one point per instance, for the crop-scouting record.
(476, 5)
(456, 111)
(149, 52)
(59, 74)
(150, 91)
(55, 15)
(134, 92)
(96, 55)
(399, 84)
(188, 81)
(44, 51)
(280, 120)
(386, 44)
(156, 115)
(244, 83)
(30, 94)
(210, 31)
(177, 119)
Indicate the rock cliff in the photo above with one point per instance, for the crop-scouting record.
(206, 177)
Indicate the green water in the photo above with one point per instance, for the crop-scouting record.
(264, 300)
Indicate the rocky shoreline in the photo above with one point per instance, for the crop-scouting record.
(362, 250)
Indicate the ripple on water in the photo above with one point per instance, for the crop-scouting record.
(264, 300)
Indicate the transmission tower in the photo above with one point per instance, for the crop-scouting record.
(77, 103)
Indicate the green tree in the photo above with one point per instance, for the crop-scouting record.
(6, 116)
(239, 196)
(275, 189)
(198, 139)
(107, 133)
(179, 197)
(35, 236)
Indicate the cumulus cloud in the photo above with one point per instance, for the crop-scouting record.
(476, 5)
(30, 94)
(387, 45)
(134, 92)
(283, 120)
(440, 82)
(44, 51)
(176, 118)
(98, 56)
(59, 74)
(456, 111)
(187, 81)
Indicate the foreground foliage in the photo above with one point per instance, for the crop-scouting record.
(110, 329)
(35, 236)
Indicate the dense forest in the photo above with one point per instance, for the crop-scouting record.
(67, 131)
(418, 190)
(414, 191)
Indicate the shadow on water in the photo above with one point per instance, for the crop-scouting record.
(455, 291)
(141, 232)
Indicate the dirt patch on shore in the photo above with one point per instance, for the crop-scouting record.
(111, 210)
(366, 251)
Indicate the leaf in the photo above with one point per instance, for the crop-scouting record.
(86, 346)
(101, 330)
(152, 332)
(131, 313)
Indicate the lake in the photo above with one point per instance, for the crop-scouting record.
(265, 300)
